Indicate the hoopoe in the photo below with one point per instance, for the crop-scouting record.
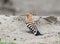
(31, 25)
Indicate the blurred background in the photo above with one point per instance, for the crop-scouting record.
(21, 7)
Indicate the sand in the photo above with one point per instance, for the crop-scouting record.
(13, 28)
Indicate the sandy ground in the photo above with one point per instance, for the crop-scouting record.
(13, 28)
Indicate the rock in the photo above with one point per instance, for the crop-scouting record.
(12, 21)
(7, 15)
(0, 39)
(8, 36)
(59, 33)
(0, 23)
(14, 39)
(18, 19)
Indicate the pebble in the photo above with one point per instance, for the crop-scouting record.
(0, 39)
(14, 38)
(8, 36)
(0, 23)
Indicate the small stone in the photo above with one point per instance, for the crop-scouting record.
(5, 19)
(58, 32)
(21, 38)
(0, 39)
(7, 15)
(8, 36)
(44, 37)
(0, 22)
(48, 36)
(14, 38)
(12, 21)
(19, 19)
